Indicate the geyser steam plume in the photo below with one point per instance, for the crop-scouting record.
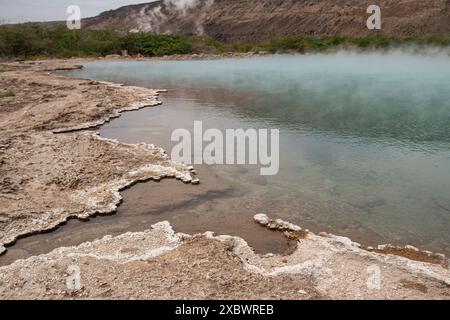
(154, 18)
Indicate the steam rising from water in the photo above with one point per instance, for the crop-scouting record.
(364, 138)
(151, 18)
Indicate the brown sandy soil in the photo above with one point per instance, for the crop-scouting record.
(413, 254)
(47, 177)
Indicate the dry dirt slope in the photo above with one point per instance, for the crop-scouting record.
(249, 20)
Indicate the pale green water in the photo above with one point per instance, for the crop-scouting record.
(365, 140)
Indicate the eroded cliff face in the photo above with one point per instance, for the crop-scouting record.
(246, 20)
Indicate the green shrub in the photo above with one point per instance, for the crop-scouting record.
(31, 40)
(7, 94)
(156, 45)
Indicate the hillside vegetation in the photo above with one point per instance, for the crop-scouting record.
(25, 41)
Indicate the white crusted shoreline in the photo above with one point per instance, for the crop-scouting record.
(322, 266)
(52, 120)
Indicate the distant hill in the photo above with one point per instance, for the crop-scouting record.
(251, 20)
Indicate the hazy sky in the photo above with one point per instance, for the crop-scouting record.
(49, 10)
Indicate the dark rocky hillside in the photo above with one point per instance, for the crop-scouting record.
(250, 20)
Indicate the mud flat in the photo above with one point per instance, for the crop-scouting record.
(51, 171)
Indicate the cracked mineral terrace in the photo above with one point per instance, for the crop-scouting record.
(50, 171)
